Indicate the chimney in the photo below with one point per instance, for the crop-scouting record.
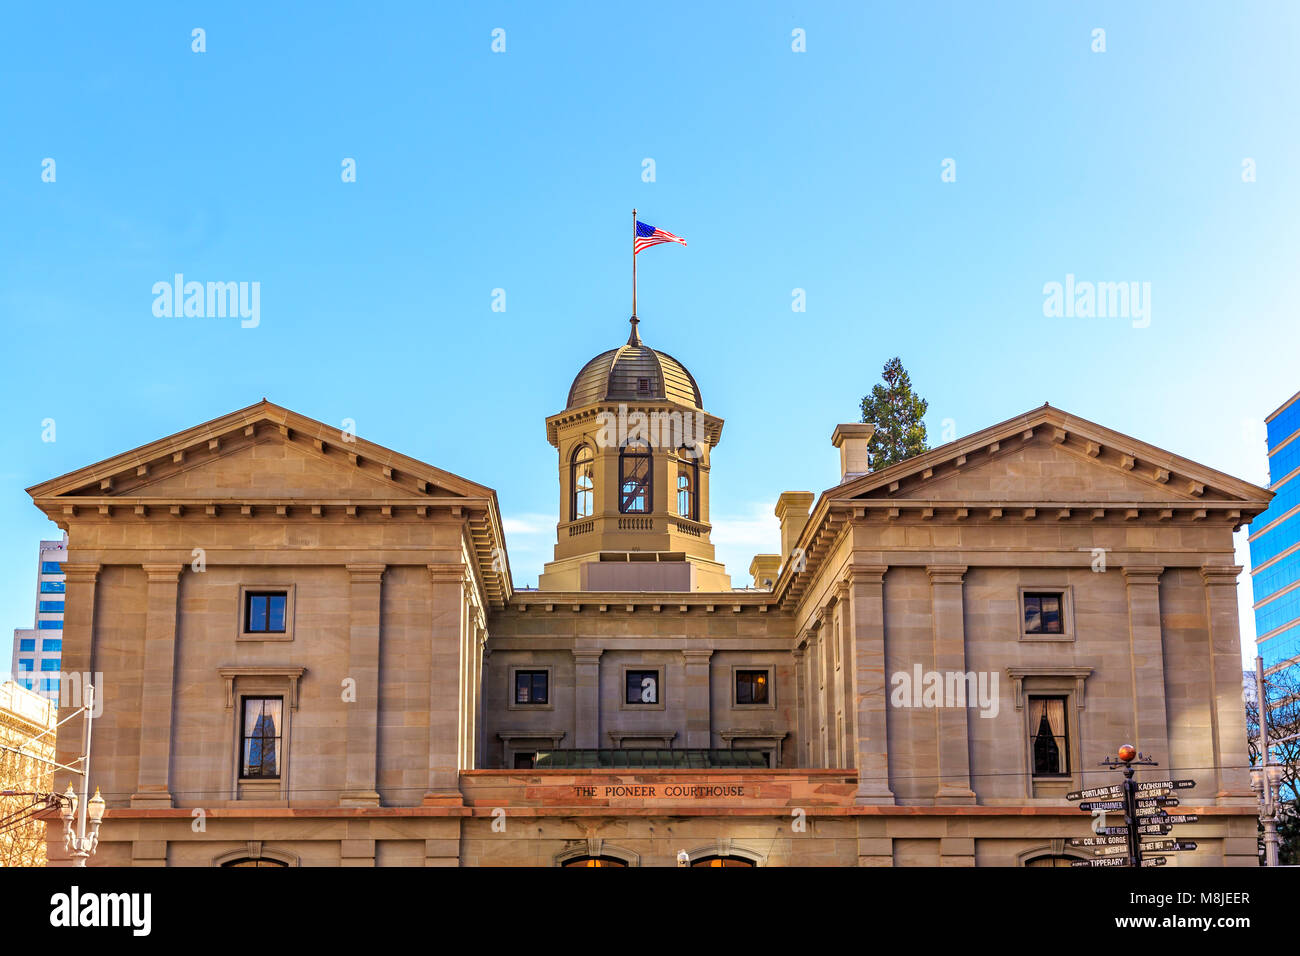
(765, 568)
(852, 440)
(792, 511)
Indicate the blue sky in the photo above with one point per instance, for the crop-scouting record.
(477, 171)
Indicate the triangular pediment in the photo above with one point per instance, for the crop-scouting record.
(260, 452)
(1049, 456)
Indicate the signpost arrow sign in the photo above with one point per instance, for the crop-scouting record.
(1120, 831)
(1100, 841)
(1151, 861)
(1104, 861)
(1170, 845)
(1102, 805)
(1112, 791)
(1110, 850)
(1180, 818)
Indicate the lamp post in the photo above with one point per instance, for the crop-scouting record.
(1265, 778)
(79, 843)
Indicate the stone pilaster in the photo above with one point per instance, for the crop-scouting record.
(79, 659)
(447, 628)
(953, 743)
(800, 706)
(1147, 665)
(826, 675)
(870, 686)
(841, 629)
(816, 699)
(363, 668)
(156, 706)
(699, 724)
(1231, 755)
(586, 698)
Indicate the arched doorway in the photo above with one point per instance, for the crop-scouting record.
(594, 861)
(723, 861)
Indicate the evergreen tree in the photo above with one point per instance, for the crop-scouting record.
(897, 413)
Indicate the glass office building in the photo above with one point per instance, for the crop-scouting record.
(1275, 544)
(38, 651)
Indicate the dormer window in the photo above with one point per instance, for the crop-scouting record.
(643, 386)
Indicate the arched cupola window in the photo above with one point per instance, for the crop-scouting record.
(634, 478)
(688, 486)
(582, 475)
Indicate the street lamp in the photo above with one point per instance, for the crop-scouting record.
(1264, 779)
(1269, 806)
(80, 844)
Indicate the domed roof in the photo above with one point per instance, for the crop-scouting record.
(634, 372)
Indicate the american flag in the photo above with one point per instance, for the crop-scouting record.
(647, 236)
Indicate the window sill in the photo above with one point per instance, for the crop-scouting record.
(1054, 638)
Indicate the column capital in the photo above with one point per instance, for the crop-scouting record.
(586, 655)
(453, 573)
(866, 573)
(1143, 575)
(163, 573)
(81, 572)
(946, 573)
(366, 573)
(696, 656)
(1220, 574)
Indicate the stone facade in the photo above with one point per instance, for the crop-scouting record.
(403, 740)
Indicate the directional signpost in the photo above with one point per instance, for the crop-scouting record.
(1145, 806)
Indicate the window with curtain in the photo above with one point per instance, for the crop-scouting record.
(634, 478)
(1049, 743)
(1043, 613)
(261, 737)
(583, 482)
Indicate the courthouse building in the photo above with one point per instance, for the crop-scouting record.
(310, 651)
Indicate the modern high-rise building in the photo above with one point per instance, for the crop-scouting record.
(1275, 544)
(38, 650)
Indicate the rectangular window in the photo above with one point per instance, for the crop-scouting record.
(51, 567)
(264, 612)
(49, 625)
(524, 761)
(28, 683)
(52, 587)
(1049, 739)
(52, 664)
(52, 644)
(50, 683)
(1043, 613)
(531, 687)
(643, 687)
(25, 663)
(27, 644)
(47, 607)
(261, 738)
(751, 687)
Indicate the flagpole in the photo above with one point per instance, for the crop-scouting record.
(634, 263)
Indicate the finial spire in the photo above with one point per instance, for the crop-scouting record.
(634, 338)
